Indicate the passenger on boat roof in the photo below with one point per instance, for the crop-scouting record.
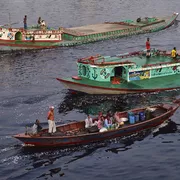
(43, 24)
(36, 127)
(148, 48)
(39, 21)
(174, 53)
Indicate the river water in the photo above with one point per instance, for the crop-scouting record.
(28, 87)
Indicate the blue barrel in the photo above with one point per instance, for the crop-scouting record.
(131, 119)
(136, 117)
(130, 114)
(142, 116)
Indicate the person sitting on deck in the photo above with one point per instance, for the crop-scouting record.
(107, 122)
(88, 122)
(100, 114)
(117, 119)
(89, 125)
(148, 48)
(100, 124)
(43, 25)
(109, 113)
(174, 53)
(36, 127)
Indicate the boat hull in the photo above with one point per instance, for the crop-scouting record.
(52, 38)
(94, 89)
(65, 141)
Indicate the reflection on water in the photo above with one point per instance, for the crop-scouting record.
(170, 127)
(92, 104)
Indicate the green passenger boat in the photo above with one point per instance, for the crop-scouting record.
(126, 73)
(41, 37)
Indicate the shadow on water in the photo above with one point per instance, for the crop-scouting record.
(92, 104)
(169, 128)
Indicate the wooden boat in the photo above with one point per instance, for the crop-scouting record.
(126, 73)
(38, 37)
(74, 133)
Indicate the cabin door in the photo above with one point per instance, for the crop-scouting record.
(18, 36)
(118, 71)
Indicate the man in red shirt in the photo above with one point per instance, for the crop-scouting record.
(148, 48)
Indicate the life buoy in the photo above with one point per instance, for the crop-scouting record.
(104, 73)
(10, 35)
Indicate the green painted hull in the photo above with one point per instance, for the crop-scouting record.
(126, 73)
(80, 35)
(147, 85)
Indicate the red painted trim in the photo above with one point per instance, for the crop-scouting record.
(96, 139)
(117, 89)
(50, 41)
(28, 46)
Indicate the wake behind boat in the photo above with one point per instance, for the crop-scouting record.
(72, 134)
(38, 37)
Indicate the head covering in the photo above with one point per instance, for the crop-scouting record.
(51, 107)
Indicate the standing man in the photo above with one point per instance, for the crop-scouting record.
(173, 53)
(51, 122)
(25, 22)
(148, 48)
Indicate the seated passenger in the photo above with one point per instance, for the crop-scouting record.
(107, 122)
(100, 122)
(43, 25)
(100, 114)
(36, 127)
(89, 125)
(88, 122)
(118, 120)
(109, 113)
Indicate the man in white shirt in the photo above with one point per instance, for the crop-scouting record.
(88, 122)
(90, 126)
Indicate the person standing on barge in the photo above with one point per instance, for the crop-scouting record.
(25, 22)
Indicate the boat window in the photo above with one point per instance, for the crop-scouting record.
(84, 70)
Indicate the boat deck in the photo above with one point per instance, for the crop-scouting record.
(100, 28)
(112, 26)
(139, 60)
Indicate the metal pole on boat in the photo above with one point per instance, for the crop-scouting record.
(9, 20)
